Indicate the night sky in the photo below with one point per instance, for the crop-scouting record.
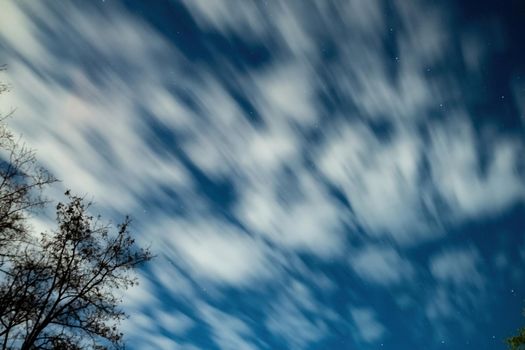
(310, 174)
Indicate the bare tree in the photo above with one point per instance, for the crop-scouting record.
(63, 292)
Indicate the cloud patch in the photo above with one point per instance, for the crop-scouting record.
(368, 328)
(381, 265)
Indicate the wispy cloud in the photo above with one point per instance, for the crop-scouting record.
(458, 267)
(228, 332)
(381, 265)
(298, 318)
(368, 328)
(217, 251)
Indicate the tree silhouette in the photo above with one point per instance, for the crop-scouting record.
(63, 292)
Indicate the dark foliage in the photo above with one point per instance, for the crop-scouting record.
(517, 342)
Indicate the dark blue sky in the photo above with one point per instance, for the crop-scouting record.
(311, 174)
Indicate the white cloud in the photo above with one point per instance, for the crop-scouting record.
(17, 28)
(287, 92)
(287, 321)
(380, 180)
(383, 179)
(381, 265)
(217, 14)
(298, 317)
(474, 51)
(216, 251)
(143, 294)
(173, 321)
(457, 266)
(155, 341)
(459, 296)
(439, 305)
(232, 147)
(368, 328)
(367, 83)
(457, 172)
(311, 222)
(229, 332)
(161, 342)
(169, 278)
(425, 37)
(89, 128)
(365, 17)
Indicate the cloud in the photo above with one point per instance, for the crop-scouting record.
(217, 15)
(391, 195)
(459, 295)
(425, 31)
(229, 332)
(380, 179)
(439, 305)
(216, 251)
(368, 328)
(308, 220)
(457, 266)
(89, 128)
(173, 321)
(144, 294)
(288, 322)
(381, 265)
(169, 278)
(298, 318)
(288, 92)
(474, 52)
(457, 174)
(162, 342)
